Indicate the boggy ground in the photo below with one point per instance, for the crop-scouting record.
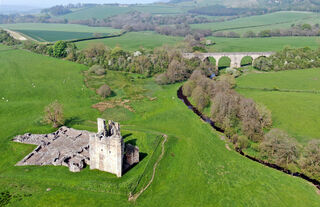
(196, 169)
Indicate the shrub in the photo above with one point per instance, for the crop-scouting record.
(200, 98)
(188, 87)
(162, 79)
(279, 147)
(54, 114)
(310, 161)
(243, 142)
(104, 91)
(98, 70)
(265, 116)
(249, 116)
(262, 63)
(229, 79)
(59, 49)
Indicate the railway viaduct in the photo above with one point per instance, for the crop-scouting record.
(235, 57)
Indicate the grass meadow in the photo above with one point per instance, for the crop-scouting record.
(294, 112)
(135, 40)
(105, 11)
(261, 44)
(277, 20)
(197, 168)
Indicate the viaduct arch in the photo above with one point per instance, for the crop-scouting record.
(235, 57)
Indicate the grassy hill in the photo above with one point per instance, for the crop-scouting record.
(261, 44)
(105, 11)
(296, 113)
(134, 40)
(53, 32)
(195, 156)
(277, 20)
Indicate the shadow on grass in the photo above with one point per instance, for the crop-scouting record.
(73, 121)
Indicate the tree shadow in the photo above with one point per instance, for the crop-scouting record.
(73, 121)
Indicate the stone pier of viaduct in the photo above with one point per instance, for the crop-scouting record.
(235, 57)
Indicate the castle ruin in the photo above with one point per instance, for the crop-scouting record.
(75, 149)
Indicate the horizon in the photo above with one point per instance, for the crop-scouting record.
(49, 3)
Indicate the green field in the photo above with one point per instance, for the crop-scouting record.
(197, 168)
(277, 20)
(294, 112)
(105, 11)
(53, 32)
(261, 44)
(134, 40)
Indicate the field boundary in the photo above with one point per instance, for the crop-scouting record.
(279, 90)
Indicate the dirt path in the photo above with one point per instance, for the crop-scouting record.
(136, 196)
(16, 35)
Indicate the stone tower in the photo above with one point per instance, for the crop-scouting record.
(107, 148)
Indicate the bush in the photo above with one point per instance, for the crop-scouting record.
(265, 116)
(188, 87)
(59, 49)
(243, 142)
(162, 79)
(229, 79)
(278, 147)
(262, 63)
(200, 98)
(104, 91)
(310, 161)
(98, 70)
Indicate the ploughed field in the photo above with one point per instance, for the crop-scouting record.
(196, 170)
(294, 99)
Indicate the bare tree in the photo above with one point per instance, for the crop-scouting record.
(54, 114)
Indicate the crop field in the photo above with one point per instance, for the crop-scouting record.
(261, 44)
(53, 32)
(277, 20)
(193, 151)
(294, 112)
(135, 40)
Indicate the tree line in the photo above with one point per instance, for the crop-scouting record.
(289, 59)
(249, 125)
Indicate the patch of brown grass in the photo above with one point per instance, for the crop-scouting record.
(102, 106)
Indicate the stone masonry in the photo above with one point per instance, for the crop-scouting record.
(76, 148)
(235, 57)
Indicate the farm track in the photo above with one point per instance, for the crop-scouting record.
(136, 196)
(185, 100)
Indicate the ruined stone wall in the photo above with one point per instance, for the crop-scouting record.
(107, 149)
